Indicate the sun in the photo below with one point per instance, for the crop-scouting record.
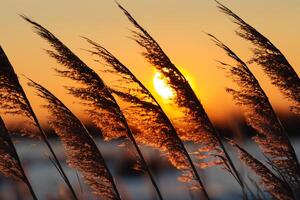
(161, 86)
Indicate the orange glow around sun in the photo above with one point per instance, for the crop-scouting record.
(161, 87)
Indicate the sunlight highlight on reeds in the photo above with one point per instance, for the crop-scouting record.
(256, 161)
(150, 124)
(101, 105)
(195, 126)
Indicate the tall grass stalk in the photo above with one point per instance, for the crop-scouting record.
(13, 100)
(272, 138)
(102, 106)
(277, 187)
(81, 150)
(199, 128)
(10, 164)
(270, 58)
(154, 127)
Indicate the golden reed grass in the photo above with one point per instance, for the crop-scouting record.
(270, 58)
(197, 125)
(13, 100)
(81, 150)
(271, 136)
(10, 164)
(141, 119)
(101, 105)
(143, 112)
(273, 184)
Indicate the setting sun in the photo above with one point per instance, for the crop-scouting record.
(161, 86)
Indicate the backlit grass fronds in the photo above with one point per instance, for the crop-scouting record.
(150, 128)
(276, 187)
(195, 113)
(197, 126)
(271, 135)
(10, 165)
(143, 112)
(12, 99)
(92, 91)
(82, 152)
(273, 62)
(100, 103)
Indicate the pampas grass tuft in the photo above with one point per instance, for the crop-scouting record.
(144, 113)
(270, 58)
(13, 100)
(101, 105)
(10, 164)
(272, 137)
(197, 125)
(82, 152)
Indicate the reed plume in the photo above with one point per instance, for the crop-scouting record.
(270, 58)
(271, 136)
(12, 94)
(102, 106)
(82, 152)
(198, 127)
(13, 100)
(273, 184)
(10, 164)
(145, 114)
(92, 90)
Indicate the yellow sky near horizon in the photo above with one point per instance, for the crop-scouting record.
(178, 26)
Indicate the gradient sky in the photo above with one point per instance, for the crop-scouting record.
(178, 26)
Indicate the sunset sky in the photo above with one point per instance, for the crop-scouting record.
(178, 26)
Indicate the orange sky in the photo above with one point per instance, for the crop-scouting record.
(177, 25)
